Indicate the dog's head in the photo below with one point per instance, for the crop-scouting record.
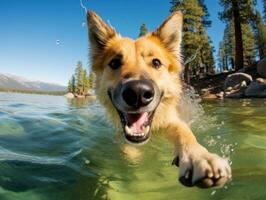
(134, 78)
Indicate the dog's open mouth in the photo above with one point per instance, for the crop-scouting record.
(136, 126)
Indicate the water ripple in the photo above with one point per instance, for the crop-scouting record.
(6, 155)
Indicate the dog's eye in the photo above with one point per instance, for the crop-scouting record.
(156, 63)
(115, 63)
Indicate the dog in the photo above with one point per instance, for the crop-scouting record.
(138, 83)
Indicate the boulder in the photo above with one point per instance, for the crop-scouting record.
(229, 89)
(256, 89)
(261, 80)
(69, 95)
(261, 68)
(237, 80)
(220, 95)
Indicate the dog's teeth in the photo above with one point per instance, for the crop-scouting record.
(128, 130)
(146, 130)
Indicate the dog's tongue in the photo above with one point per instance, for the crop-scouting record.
(136, 121)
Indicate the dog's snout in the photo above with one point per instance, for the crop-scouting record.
(138, 93)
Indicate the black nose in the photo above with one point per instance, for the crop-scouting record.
(138, 93)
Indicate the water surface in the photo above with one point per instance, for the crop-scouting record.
(51, 148)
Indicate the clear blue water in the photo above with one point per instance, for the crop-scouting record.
(52, 148)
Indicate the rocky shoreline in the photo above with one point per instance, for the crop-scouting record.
(249, 82)
(70, 95)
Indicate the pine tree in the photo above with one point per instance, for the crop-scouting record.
(86, 84)
(260, 35)
(73, 84)
(195, 39)
(79, 78)
(249, 49)
(227, 46)
(69, 86)
(206, 22)
(91, 80)
(241, 11)
(143, 30)
(264, 10)
(223, 65)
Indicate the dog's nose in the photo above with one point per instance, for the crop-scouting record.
(138, 93)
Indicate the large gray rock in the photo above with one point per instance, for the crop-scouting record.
(236, 80)
(261, 68)
(256, 89)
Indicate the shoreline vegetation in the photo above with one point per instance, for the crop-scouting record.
(249, 82)
(240, 70)
(81, 83)
(55, 93)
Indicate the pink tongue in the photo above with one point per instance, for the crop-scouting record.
(136, 121)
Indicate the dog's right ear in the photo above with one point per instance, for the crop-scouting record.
(99, 33)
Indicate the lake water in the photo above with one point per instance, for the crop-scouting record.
(54, 149)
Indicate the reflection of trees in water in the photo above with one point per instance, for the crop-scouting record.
(80, 102)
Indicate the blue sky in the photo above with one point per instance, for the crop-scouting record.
(30, 29)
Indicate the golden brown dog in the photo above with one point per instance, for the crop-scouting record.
(138, 83)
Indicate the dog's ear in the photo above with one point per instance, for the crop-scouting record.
(99, 33)
(170, 32)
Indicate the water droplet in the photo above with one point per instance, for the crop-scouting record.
(83, 24)
(213, 192)
(58, 42)
(87, 162)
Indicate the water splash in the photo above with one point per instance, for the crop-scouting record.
(58, 42)
(190, 108)
(82, 6)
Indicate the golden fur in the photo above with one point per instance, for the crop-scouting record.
(164, 44)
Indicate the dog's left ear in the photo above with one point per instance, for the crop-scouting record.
(170, 32)
(99, 33)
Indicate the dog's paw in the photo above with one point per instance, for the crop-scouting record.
(200, 168)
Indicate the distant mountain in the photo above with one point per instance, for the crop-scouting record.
(9, 81)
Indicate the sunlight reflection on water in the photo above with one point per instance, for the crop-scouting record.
(52, 148)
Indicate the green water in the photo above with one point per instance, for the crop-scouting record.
(53, 149)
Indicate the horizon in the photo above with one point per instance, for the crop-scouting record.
(46, 44)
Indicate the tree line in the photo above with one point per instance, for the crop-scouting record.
(81, 82)
(244, 37)
(55, 93)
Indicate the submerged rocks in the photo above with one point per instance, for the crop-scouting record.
(261, 68)
(237, 81)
